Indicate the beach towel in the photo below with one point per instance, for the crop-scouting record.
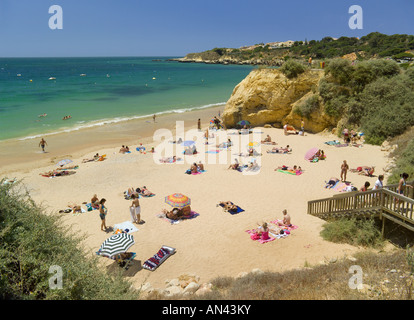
(277, 152)
(329, 186)
(342, 145)
(292, 172)
(213, 151)
(147, 196)
(126, 226)
(341, 187)
(255, 237)
(156, 260)
(192, 215)
(332, 143)
(232, 212)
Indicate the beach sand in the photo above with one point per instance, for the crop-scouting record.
(214, 243)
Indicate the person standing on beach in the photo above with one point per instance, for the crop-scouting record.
(42, 144)
(344, 170)
(153, 117)
(102, 213)
(302, 126)
(135, 209)
(199, 124)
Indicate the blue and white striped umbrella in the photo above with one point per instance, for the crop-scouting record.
(64, 162)
(116, 244)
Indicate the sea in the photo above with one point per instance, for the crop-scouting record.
(37, 93)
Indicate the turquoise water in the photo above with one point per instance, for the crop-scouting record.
(95, 91)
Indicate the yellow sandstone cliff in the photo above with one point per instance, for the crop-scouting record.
(267, 96)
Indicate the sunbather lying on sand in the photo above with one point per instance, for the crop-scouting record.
(144, 191)
(235, 165)
(364, 170)
(295, 168)
(169, 159)
(75, 208)
(252, 165)
(332, 181)
(177, 213)
(95, 158)
(280, 150)
(229, 206)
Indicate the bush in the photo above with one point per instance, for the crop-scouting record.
(389, 106)
(405, 163)
(32, 242)
(292, 69)
(358, 232)
(308, 107)
(340, 70)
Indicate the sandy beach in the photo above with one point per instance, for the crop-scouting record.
(214, 243)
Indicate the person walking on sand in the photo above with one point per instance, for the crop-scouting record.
(153, 117)
(344, 170)
(42, 144)
(102, 214)
(199, 124)
(302, 125)
(135, 209)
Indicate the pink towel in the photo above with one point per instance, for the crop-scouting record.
(254, 236)
(292, 227)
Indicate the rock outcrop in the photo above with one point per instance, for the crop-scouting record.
(267, 96)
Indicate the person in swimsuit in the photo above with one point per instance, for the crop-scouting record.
(344, 170)
(42, 144)
(264, 232)
(229, 206)
(403, 183)
(102, 213)
(365, 187)
(135, 210)
(286, 220)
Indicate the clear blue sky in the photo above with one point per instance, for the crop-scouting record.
(177, 27)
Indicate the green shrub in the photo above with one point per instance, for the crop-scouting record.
(32, 242)
(405, 163)
(389, 106)
(308, 107)
(358, 232)
(340, 70)
(292, 69)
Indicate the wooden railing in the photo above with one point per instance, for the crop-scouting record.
(382, 203)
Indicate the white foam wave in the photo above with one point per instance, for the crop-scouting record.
(103, 122)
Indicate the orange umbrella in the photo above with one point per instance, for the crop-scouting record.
(178, 200)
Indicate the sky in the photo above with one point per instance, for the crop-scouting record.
(176, 27)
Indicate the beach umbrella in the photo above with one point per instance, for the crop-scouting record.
(252, 144)
(178, 200)
(116, 244)
(64, 162)
(243, 123)
(309, 155)
(187, 143)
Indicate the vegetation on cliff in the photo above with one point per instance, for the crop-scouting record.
(375, 96)
(32, 242)
(373, 45)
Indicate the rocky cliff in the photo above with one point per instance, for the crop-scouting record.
(267, 96)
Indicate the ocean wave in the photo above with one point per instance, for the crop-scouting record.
(102, 122)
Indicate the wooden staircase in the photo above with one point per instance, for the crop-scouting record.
(384, 203)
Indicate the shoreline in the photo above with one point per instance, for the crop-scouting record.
(25, 154)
